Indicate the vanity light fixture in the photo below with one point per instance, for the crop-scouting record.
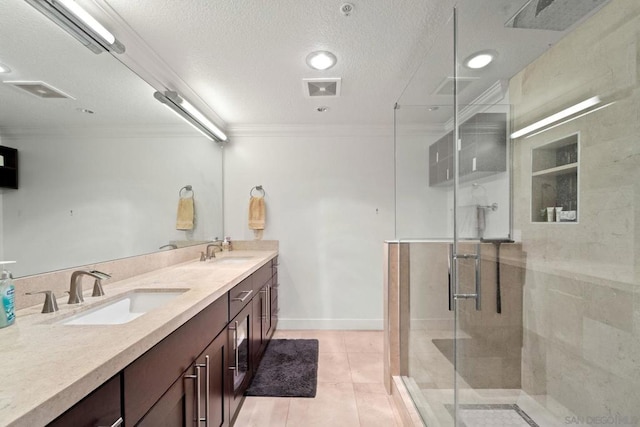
(321, 60)
(80, 24)
(480, 59)
(574, 109)
(191, 115)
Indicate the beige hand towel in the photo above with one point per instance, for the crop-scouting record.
(256, 213)
(185, 214)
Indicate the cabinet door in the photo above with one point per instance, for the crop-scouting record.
(257, 333)
(149, 376)
(239, 357)
(213, 394)
(177, 407)
(102, 407)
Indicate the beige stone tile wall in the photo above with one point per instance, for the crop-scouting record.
(581, 350)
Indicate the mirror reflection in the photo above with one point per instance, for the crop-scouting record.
(101, 163)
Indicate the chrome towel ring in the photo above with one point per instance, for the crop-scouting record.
(186, 189)
(257, 188)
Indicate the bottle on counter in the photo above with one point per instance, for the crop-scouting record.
(226, 244)
(7, 295)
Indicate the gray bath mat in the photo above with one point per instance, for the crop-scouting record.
(289, 368)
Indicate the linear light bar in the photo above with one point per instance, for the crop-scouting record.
(191, 115)
(557, 117)
(572, 119)
(80, 24)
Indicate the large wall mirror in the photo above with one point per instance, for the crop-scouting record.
(100, 170)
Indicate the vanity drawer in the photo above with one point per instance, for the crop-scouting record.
(241, 295)
(153, 373)
(261, 277)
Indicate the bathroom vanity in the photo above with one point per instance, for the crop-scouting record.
(189, 359)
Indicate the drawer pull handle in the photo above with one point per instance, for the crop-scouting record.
(247, 293)
(117, 423)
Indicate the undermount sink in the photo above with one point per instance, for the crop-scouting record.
(232, 259)
(124, 309)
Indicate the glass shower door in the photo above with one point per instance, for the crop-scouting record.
(424, 227)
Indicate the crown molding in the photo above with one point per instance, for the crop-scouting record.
(137, 131)
(292, 130)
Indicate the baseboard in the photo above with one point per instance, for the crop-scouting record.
(331, 324)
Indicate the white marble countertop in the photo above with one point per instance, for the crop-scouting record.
(48, 367)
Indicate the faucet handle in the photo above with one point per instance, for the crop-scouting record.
(50, 303)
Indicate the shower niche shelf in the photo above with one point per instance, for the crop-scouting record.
(554, 180)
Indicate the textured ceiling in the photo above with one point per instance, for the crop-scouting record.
(243, 61)
(246, 59)
(38, 50)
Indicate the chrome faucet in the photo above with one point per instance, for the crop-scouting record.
(215, 244)
(75, 290)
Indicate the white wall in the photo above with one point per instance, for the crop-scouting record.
(330, 204)
(422, 211)
(93, 197)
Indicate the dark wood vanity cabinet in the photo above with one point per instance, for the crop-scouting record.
(198, 396)
(157, 371)
(198, 374)
(100, 408)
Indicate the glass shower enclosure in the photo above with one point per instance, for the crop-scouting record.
(515, 208)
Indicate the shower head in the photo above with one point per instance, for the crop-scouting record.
(555, 15)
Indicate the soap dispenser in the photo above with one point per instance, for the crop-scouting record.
(7, 295)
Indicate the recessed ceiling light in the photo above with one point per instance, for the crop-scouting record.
(480, 59)
(321, 60)
(4, 68)
(322, 109)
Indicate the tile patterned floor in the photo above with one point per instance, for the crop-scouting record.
(350, 390)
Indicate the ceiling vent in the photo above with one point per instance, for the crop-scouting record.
(40, 89)
(556, 15)
(446, 86)
(315, 88)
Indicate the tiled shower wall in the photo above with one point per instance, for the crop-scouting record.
(581, 342)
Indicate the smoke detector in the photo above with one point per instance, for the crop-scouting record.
(346, 9)
(314, 88)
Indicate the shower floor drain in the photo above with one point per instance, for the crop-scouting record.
(493, 415)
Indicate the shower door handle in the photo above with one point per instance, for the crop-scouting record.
(477, 278)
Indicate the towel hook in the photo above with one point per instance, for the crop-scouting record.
(186, 188)
(257, 188)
